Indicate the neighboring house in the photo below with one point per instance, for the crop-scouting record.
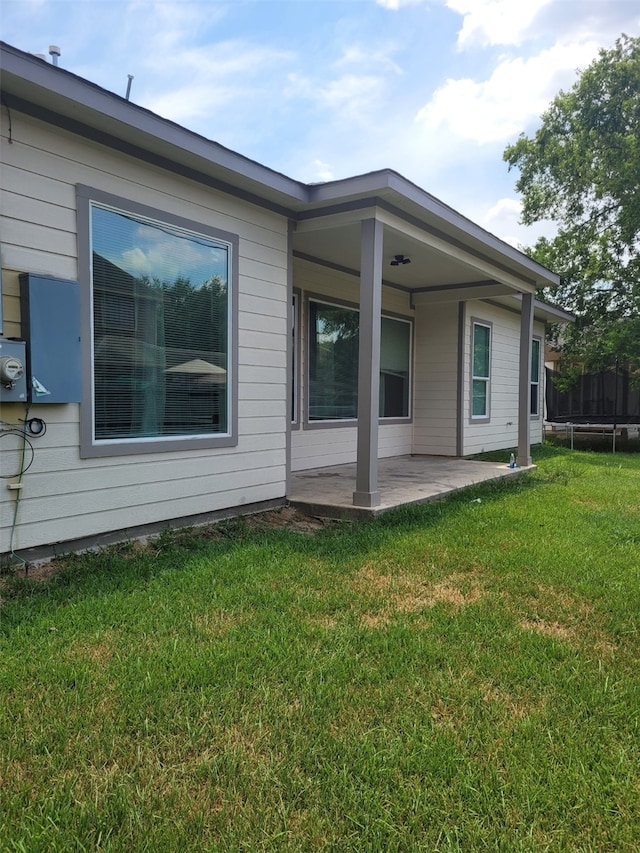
(235, 325)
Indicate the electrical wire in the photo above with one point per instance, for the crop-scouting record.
(36, 426)
(25, 441)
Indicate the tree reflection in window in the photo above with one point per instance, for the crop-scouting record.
(160, 343)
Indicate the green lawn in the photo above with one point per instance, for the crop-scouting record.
(458, 676)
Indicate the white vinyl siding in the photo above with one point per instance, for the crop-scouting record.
(66, 497)
(436, 382)
(502, 430)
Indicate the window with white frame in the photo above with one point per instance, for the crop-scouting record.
(535, 377)
(480, 370)
(162, 334)
(333, 364)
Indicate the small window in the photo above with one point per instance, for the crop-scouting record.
(295, 368)
(162, 331)
(535, 377)
(334, 334)
(481, 365)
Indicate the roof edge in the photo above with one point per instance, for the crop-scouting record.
(78, 90)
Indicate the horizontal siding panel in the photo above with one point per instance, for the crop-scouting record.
(248, 358)
(262, 340)
(251, 268)
(344, 456)
(436, 379)
(39, 238)
(260, 373)
(263, 391)
(262, 305)
(265, 323)
(140, 497)
(274, 290)
(96, 165)
(164, 475)
(259, 425)
(261, 408)
(434, 448)
(11, 303)
(65, 458)
(274, 257)
(65, 529)
(26, 259)
(36, 212)
(36, 186)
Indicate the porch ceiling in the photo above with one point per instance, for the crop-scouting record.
(441, 268)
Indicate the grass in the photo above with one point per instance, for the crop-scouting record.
(457, 676)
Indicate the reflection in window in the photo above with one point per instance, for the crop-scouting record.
(294, 359)
(481, 358)
(160, 329)
(535, 377)
(333, 364)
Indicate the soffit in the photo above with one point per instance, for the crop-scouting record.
(439, 265)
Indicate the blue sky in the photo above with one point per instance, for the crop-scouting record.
(325, 89)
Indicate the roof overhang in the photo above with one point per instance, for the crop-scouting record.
(450, 255)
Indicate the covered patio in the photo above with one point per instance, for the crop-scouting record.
(379, 246)
(328, 492)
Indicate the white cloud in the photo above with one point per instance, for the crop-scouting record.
(321, 171)
(493, 22)
(195, 83)
(190, 102)
(350, 94)
(394, 5)
(516, 93)
(504, 207)
(502, 218)
(356, 54)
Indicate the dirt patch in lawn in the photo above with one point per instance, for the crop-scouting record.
(288, 518)
(410, 594)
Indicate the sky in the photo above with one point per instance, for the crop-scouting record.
(327, 89)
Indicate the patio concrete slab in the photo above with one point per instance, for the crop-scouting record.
(402, 480)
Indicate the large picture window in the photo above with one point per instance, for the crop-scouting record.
(333, 364)
(161, 330)
(481, 366)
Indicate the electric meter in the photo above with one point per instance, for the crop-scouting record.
(11, 369)
(13, 374)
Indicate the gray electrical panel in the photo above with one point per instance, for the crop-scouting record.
(50, 315)
(13, 373)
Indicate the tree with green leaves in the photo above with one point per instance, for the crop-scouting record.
(581, 169)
